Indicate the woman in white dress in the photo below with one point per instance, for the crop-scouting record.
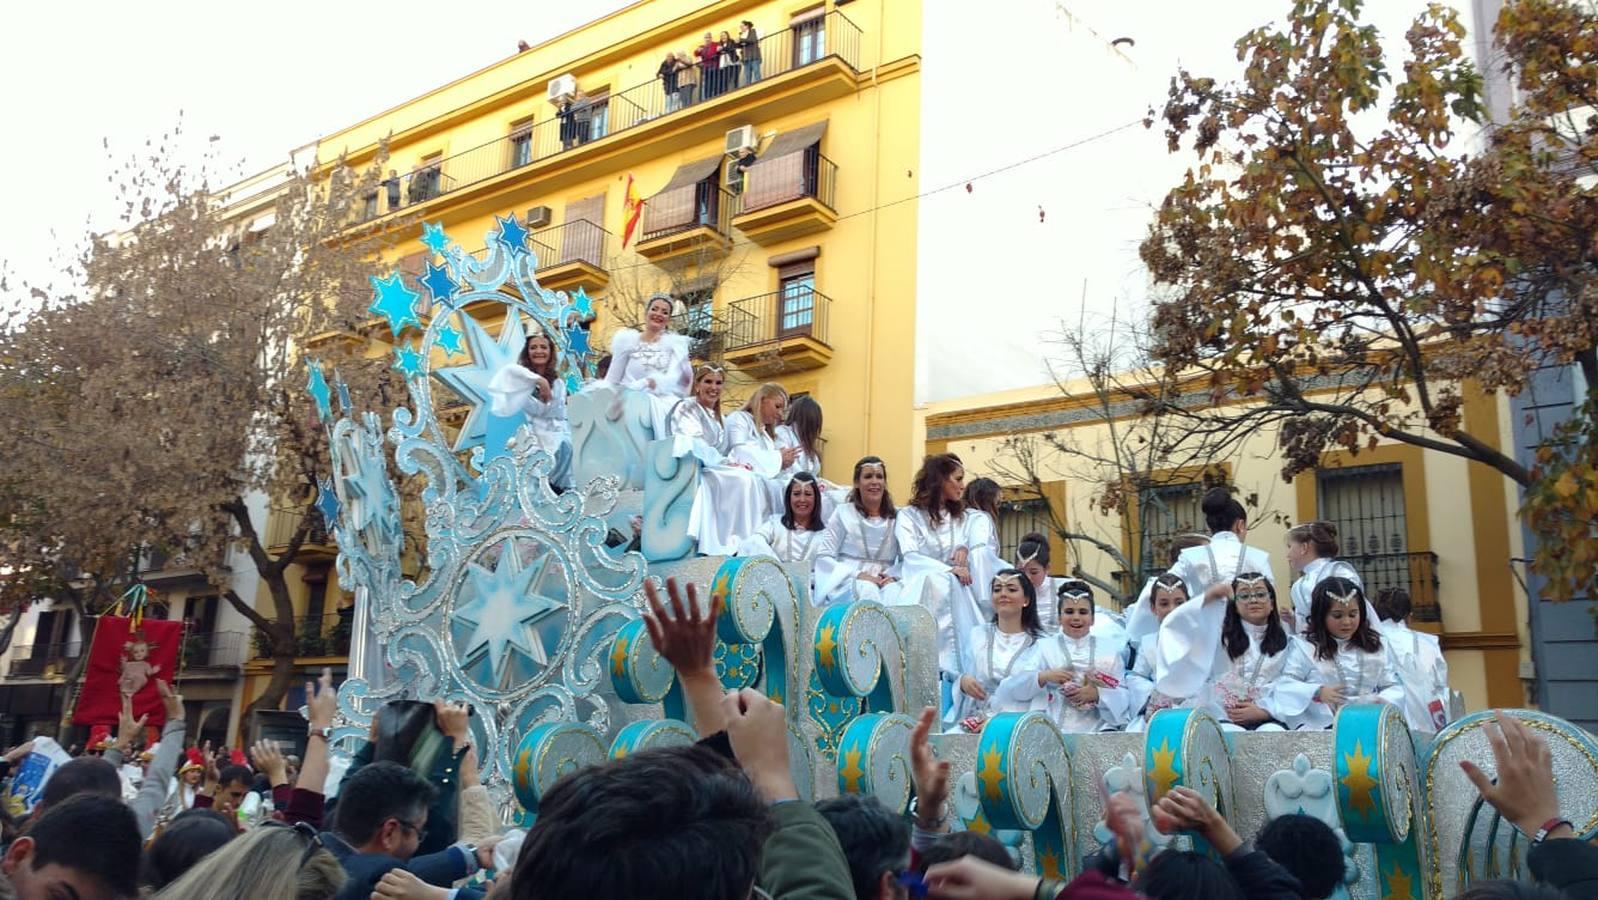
(1032, 558)
(994, 650)
(752, 438)
(1355, 666)
(932, 533)
(1312, 555)
(653, 362)
(1421, 666)
(859, 555)
(730, 500)
(1165, 593)
(533, 387)
(794, 536)
(1079, 675)
(803, 433)
(982, 511)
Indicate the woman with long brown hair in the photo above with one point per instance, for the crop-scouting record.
(533, 387)
(859, 556)
(802, 432)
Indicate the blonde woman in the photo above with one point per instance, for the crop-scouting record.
(730, 502)
(753, 439)
(270, 862)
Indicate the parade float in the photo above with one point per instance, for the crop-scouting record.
(528, 607)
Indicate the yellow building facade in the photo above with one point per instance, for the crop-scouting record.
(1434, 524)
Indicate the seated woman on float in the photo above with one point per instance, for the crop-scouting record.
(794, 536)
(653, 362)
(532, 387)
(1079, 675)
(994, 651)
(933, 536)
(802, 434)
(859, 555)
(1354, 665)
(729, 502)
(752, 437)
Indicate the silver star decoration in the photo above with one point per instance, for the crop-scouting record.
(504, 609)
(470, 382)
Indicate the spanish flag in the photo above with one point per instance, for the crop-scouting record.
(632, 206)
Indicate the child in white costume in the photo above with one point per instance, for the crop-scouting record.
(1165, 593)
(1079, 675)
(1225, 556)
(1312, 555)
(1032, 558)
(1355, 666)
(995, 650)
(1421, 666)
(859, 556)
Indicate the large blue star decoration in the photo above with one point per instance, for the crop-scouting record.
(317, 388)
(439, 284)
(582, 305)
(407, 361)
(577, 341)
(434, 238)
(449, 339)
(470, 381)
(395, 302)
(512, 236)
(327, 501)
(501, 609)
(372, 496)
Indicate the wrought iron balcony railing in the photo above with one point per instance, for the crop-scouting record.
(807, 173)
(769, 318)
(33, 660)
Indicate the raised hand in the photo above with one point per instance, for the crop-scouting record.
(929, 774)
(269, 759)
(685, 637)
(1524, 793)
(128, 728)
(758, 731)
(321, 702)
(172, 700)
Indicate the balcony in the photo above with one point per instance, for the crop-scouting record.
(687, 224)
(221, 651)
(1414, 572)
(801, 66)
(788, 195)
(280, 527)
(163, 570)
(43, 660)
(314, 636)
(785, 331)
(572, 256)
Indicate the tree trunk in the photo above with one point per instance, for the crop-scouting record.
(11, 626)
(280, 628)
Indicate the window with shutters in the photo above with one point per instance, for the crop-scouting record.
(1366, 503)
(1164, 512)
(1018, 518)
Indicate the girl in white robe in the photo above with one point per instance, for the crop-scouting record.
(1032, 558)
(730, 500)
(532, 386)
(1312, 555)
(1165, 593)
(1217, 563)
(859, 555)
(794, 536)
(654, 362)
(1077, 676)
(1421, 665)
(1355, 665)
(803, 433)
(933, 537)
(996, 650)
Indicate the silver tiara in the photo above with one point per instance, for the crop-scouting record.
(1076, 594)
(1340, 600)
(1257, 581)
(1011, 578)
(1030, 557)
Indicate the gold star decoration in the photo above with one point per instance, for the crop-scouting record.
(620, 752)
(826, 647)
(618, 658)
(1399, 886)
(991, 775)
(776, 696)
(1163, 776)
(1049, 862)
(720, 590)
(979, 823)
(1359, 782)
(851, 771)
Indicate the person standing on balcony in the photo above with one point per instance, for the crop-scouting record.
(568, 131)
(727, 50)
(709, 62)
(391, 187)
(749, 45)
(668, 82)
(687, 80)
(653, 362)
(582, 114)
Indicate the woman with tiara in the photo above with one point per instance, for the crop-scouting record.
(1312, 556)
(1165, 593)
(1353, 663)
(859, 555)
(730, 500)
(654, 362)
(794, 536)
(1032, 558)
(533, 387)
(803, 433)
(993, 651)
(933, 536)
(752, 438)
(1077, 676)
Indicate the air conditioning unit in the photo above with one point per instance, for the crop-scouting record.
(741, 139)
(562, 88)
(538, 217)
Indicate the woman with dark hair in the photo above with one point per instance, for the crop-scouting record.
(1165, 594)
(1208, 570)
(995, 649)
(982, 529)
(1312, 556)
(802, 433)
(1032, 558)
(1354, 665)
(1077, 676)
(1267, 682)
(730, 500)
(187, 839)
(933, 533)
(727, 62)
(859, 555)
(533, 387)
(654, 361)
(795, 535)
